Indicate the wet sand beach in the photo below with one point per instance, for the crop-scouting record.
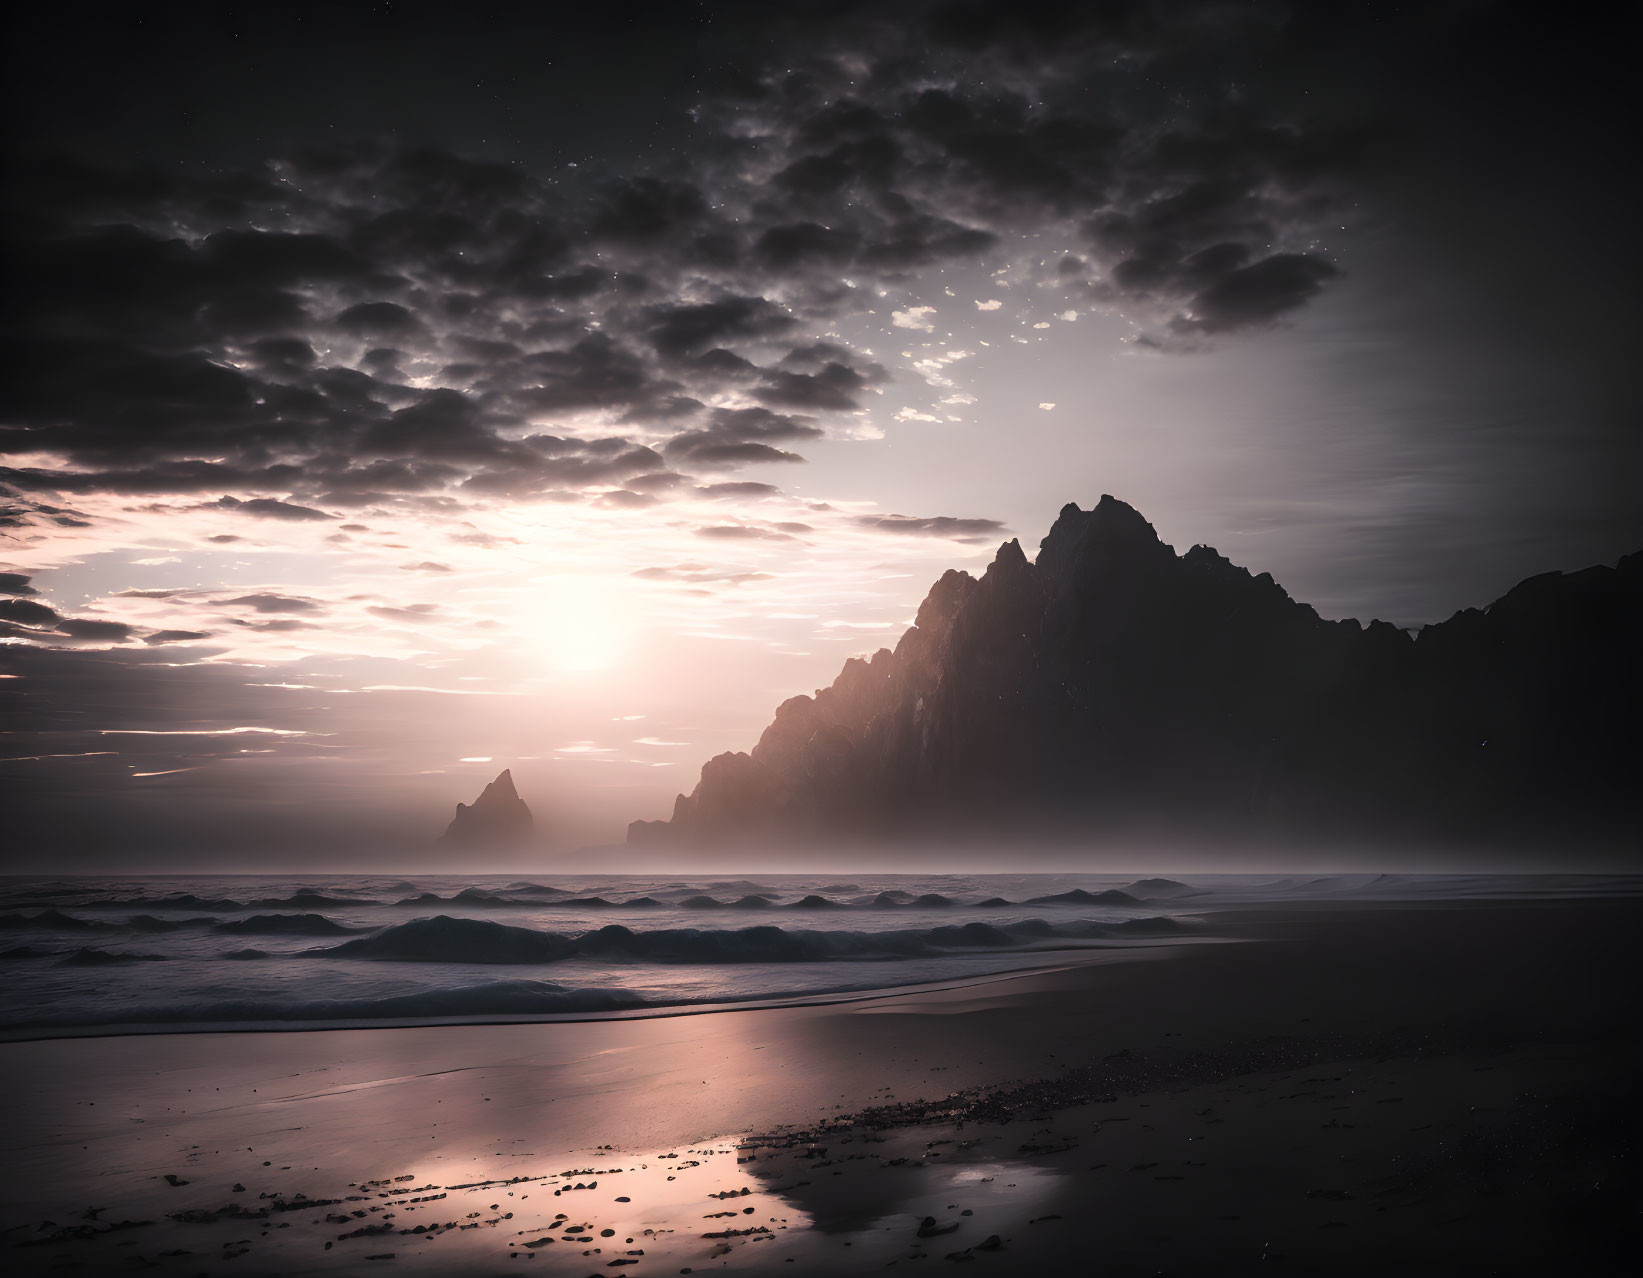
(1421, 1088)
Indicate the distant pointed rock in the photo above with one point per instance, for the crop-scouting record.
(498, 816)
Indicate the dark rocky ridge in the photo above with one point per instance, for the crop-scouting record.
(498, 816)
(1116, 691)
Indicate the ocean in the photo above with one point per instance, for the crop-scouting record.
(175, 953)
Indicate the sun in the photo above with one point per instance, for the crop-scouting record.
(582, 623)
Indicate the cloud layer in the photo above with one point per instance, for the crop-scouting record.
(369, 325)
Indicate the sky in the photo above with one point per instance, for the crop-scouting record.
(398, 393)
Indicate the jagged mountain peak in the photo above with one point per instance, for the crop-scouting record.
(944, 599)
(1113, 690)
(1009, 556)
(1111, 533)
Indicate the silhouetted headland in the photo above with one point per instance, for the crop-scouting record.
(1113, 690)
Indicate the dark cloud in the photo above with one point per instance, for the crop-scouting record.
(382, 482)
(545, 465)
(645, 210)
(624, 499)
(742, 532)
(660, 481)
(737, 488)
(16, 583)
(277, 625)
(738, 436)
(596, 372)
(709, 454)
(378, 320)
(806, 244)
(1259, 293)
(444, 424)
(915, 241)
(416, 613)
(932, 526)
(158, 637)
(836, 388)
(283, 355)
(760, 424)
(271, 603)
(270, 508)
(26, 612)
(159, 477)
(689, 330)
(95, 630)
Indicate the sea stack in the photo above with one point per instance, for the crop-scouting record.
(498, 816)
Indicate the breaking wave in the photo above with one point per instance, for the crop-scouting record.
(443, 939)
(86, 957)
(219, 905)
(284, 925)
(51, 921)
(495, 998)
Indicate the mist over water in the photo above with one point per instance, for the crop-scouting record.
(87, 955)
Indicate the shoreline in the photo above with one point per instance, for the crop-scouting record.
(1202, 923)
(1453, 1016)
(1108, 952)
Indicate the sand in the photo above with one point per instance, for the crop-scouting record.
(1412, 1089)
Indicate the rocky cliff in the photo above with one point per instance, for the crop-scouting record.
(1112, 690)
(498, 816)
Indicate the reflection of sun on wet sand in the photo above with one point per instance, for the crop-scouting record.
(1436, 1089)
